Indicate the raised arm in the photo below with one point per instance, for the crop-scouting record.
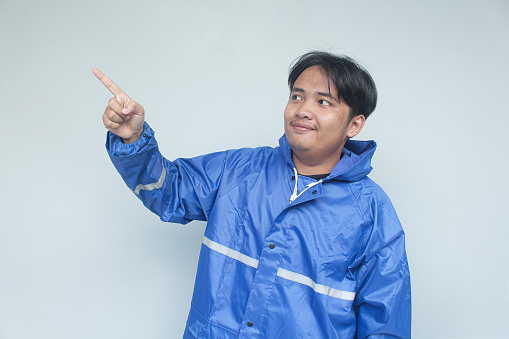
(178, 191)
(123, 116)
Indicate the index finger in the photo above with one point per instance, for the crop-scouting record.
(110, 85)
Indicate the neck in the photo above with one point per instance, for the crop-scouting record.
(309, 164)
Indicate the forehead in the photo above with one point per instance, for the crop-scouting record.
(314, 79)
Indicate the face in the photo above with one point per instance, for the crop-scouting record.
(316, 123)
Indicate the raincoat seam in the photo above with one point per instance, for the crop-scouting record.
(181, 169)
(359, 211)
(235, 239)
(239, 181)
(212, 322)
(257, 170)
(227, 263)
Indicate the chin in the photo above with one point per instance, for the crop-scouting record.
(299, 145)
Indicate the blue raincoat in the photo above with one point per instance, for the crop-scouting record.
(284, 255)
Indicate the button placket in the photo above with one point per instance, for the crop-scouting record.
(265, 277)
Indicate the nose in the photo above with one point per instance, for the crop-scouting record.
(304, 111)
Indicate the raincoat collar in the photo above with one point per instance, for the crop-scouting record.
(354, 165)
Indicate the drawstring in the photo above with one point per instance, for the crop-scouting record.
(295, 195)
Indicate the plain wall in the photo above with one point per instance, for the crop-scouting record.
(80, 257)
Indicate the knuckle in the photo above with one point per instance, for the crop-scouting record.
(112, 125)
(110, 114)
(107, 122)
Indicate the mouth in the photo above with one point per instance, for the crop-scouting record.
(302, 128)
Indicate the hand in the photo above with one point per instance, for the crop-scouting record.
(123, 116)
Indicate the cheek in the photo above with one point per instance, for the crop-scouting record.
(287, 108)
(287, 114)
(330, 121)
(333, 127)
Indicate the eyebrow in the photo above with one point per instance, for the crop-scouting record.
(323, 94)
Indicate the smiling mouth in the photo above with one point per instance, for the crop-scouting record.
(302, 127)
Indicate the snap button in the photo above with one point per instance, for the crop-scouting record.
(314, 192)
(271, 245)
(250, 323)
(293, 177)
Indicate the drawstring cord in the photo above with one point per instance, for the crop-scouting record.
(295, 195)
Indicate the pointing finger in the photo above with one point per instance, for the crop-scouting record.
(110, 85)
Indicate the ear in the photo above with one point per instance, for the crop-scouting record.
(355, 125)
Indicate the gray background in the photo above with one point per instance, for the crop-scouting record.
(79, 255)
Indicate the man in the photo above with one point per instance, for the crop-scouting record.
(300, 243)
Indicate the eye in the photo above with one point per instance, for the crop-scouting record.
(296, 97)
(324, 103)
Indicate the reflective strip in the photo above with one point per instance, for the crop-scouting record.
(153, 186)
(230, 253)
(322, 289)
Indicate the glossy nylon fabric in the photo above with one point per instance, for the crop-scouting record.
(331, 264)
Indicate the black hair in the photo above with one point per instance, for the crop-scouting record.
(353, 83)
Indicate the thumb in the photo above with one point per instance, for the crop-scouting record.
(132, 107)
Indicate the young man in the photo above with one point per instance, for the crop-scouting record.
(299, 243)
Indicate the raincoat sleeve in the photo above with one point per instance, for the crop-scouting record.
(178, 191)
(383, 302)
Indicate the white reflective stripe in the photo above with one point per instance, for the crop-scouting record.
(230, 253)
(153, 186)
(322, 289)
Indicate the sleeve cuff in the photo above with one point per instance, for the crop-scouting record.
(116, 146)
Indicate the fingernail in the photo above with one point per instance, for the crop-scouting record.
(124, 110)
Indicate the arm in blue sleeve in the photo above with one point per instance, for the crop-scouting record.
(383, 299)
(178, 191)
